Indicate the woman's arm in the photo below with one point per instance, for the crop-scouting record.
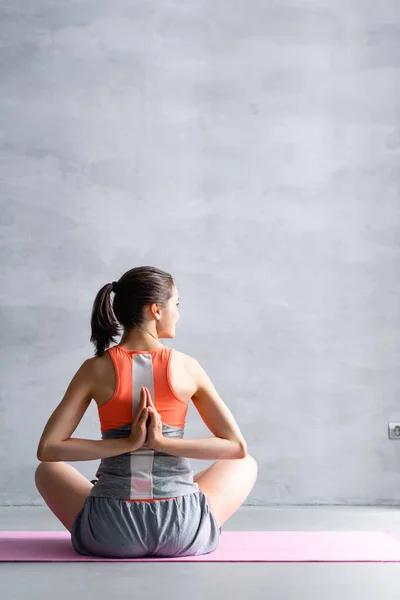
(56, 442)
(76, 449)
(211, 448)
(68, 414)
(228, 442)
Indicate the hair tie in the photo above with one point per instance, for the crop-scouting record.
(114, 286)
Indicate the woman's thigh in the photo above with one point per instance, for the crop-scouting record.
(227, 484)
(63, 489)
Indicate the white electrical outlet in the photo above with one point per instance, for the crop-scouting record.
(394, 431)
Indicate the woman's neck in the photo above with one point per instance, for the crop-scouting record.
(140, 341)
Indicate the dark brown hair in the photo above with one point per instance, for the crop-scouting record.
(135, 289)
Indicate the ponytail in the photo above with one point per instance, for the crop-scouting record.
(103, 322)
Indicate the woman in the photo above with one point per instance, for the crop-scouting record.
(146, 501)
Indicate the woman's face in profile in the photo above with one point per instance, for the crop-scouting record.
(170, 316)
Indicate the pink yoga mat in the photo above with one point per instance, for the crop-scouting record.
(234, 546)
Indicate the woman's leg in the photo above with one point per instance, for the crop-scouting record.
(199, 474)
(63, 489)
(226, 484)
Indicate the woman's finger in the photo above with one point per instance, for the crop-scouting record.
(149, 399)
(143, 398)
(155, 415)
(152, 414)
(142, 405)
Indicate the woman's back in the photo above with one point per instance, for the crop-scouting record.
(180, 370)
(144, 474)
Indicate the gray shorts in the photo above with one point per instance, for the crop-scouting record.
(114, 528)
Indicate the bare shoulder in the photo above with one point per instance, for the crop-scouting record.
(190, 366)
(97, 365)
(211, 407)
(187, 361)
(95, 361)
(202, 386)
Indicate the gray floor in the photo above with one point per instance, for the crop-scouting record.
(267, 581)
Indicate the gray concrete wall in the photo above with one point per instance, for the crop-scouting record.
(252, 150)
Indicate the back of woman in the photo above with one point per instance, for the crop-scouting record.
(145, 473)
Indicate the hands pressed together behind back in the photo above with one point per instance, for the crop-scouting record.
(146, 424)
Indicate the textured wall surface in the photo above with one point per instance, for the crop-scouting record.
(252, 150)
